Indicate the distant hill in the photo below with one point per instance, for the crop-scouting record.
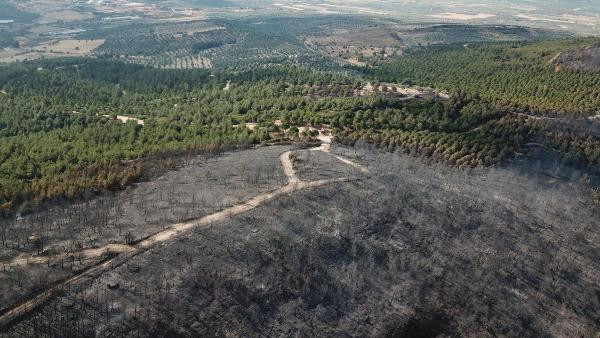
(581, 59)
(10, 12)
(205, 3)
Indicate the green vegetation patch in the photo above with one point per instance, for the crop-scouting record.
(62, 130)
(516, 75)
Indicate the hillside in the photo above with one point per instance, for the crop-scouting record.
(581, 59)
(518, 75)
(196, 168)
(321, 241)
(9, 11)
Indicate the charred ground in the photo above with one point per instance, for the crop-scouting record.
(405, 248)
(464, 206)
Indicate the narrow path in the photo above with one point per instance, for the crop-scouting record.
(288, 168)
(86, 253)
(252, 203)
(535, 144)
(294, 184)
(546, 118)
(326, 148)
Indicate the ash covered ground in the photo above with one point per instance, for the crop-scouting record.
(405, 249)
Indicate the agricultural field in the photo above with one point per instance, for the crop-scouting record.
(355, 46)
(58, 23)
(376, 42)
(52, 49)
(77, 47)
(578, 16)
(205, 36)
(171, 46)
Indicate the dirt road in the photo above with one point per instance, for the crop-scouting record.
(326, 147)
(128, 252)
(288, 168)
(86, 253)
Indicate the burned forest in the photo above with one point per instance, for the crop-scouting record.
(403, 246)
(192, 168)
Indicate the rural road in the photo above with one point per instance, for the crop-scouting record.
(126, 252)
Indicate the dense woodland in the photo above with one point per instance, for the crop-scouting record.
(519, 75)
(58, 142)
(61, 138)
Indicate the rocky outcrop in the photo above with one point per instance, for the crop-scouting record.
(581, 59)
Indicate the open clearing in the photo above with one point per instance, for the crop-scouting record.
(352, 45)
(71, 46)
(126, 119)
(52, 49)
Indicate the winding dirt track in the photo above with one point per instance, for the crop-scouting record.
(126, 252)
(326, 146)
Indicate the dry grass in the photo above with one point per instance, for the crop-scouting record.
(71, 46)
(52, 49)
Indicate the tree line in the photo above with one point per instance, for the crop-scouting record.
(60, 135)
(518, 75)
